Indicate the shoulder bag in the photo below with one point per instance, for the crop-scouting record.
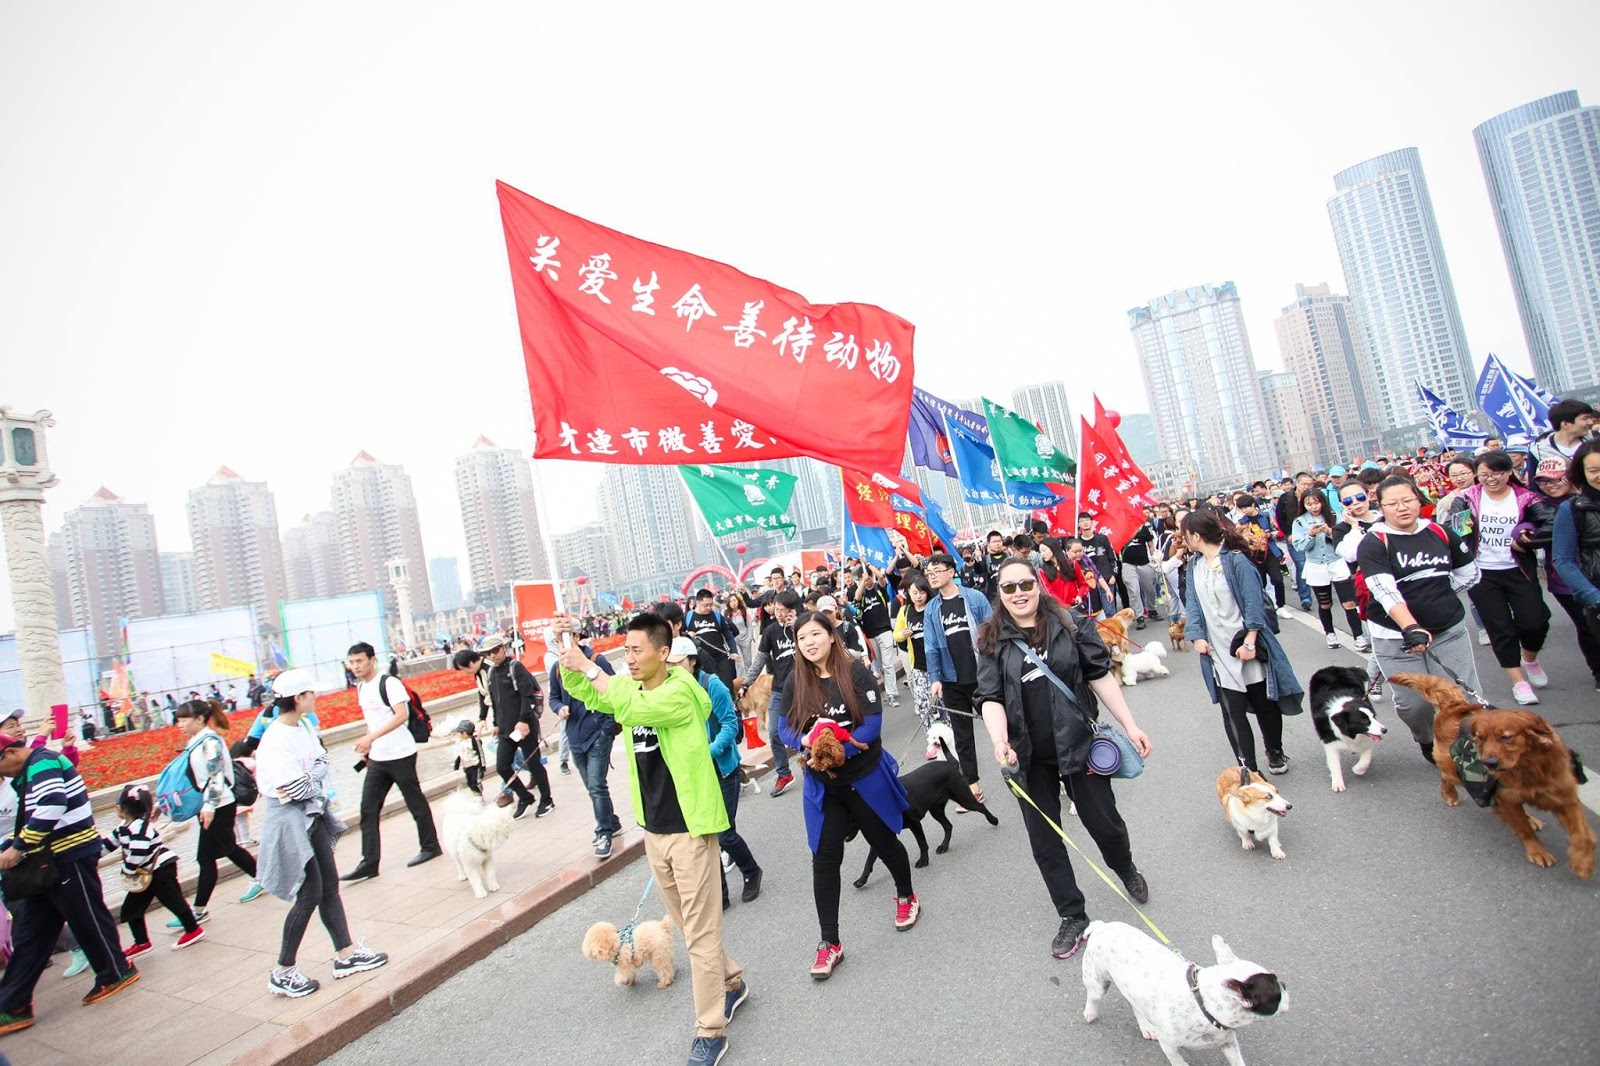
(1111, 753)
(36, 874)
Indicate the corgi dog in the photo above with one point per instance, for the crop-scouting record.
(1253, 808)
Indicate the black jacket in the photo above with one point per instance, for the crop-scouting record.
(515, 696)
(1077, 656)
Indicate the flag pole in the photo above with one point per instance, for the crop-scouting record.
(716, 542)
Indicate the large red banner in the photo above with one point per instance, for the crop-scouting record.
(639, 353)
(868, 497)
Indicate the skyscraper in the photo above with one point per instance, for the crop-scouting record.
(1323, 343)
(375, 514)
(586, 551)
(238, 559)
(444, 577)
(177, 583)
(1138, 433)
(1288, 423)
(495, 487)
(113, 568)
(1399, 282)
(651, 522)
(1541, 162)
(1045, 405)
(312, 564)
(1200, 379)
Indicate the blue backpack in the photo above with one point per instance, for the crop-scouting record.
(176, 791)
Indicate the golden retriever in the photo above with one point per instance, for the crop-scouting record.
(1525, 755)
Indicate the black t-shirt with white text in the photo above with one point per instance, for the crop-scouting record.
(777, 647)
(834, 709)
(874, 609)
(914, 624)
(712, 643)
(1038, 713)
(958, 638)
(1420, 564)
(657, 793)
(1098, 548)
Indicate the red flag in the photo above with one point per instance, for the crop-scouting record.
(1061, 518)
(867, 497)
(919, 538)
(1110, 485)
(638, 353)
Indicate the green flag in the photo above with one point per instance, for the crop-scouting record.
(1023, 450)
(734, 499)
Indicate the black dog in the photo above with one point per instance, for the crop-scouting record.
(928, 788)
(1345, 721)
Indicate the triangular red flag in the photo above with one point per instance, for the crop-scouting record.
(1110, 485)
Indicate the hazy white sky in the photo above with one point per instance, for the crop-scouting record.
(266, 235)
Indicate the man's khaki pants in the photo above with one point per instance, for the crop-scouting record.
(688, 871)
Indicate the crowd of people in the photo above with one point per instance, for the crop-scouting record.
(1009, 632)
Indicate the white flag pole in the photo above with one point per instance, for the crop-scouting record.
(549, 544)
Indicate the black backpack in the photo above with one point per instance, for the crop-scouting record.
(418, 724)
(245, 790)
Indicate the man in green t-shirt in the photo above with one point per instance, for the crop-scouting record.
(677, 798)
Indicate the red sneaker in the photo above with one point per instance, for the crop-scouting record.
(137, 949)
(906, 909)
(828, 956)
(190, 938)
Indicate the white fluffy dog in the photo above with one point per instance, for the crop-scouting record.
(1145, 662)
(472, 830)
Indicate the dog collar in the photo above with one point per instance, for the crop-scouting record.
(1194, 988)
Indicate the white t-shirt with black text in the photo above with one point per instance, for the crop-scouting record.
(1496, 519)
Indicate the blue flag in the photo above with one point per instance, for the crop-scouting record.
(930, 446)
(1453, 429)
(1516, 410)
(979, 473)
(279, 658)
(868, 543)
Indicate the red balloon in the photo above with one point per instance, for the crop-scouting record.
(741, 548)
(1114, 418)
(583, 581)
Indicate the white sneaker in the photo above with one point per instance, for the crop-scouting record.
(1483, 637)
(1362, 643)
(1536, 674)
(1284, 612)
(1523, 693)
(1333, 640)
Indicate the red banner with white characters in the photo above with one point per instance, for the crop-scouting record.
(919, 538)
(1110, 485)
(638, 353)
(868, 497)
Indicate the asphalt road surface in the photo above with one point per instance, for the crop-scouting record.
(1407, 932)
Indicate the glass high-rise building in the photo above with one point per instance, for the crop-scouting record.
(1399, 282)
(1541, 162)
(1201, 382)
(1323, 343)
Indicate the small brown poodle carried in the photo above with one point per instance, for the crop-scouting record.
(827, 749)
(650, 943)
(1525, 761)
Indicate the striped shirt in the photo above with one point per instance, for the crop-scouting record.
(56, 805)
(141, 846)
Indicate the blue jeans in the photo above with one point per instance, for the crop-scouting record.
(593, 765)
(780, 754)
(731, 841)
(1300, 585)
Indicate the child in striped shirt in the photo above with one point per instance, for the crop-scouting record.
(142, 850)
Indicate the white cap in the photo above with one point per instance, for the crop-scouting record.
(827, 603)
(682, 648)
(293, 682)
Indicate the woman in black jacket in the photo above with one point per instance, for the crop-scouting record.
(1045, 736)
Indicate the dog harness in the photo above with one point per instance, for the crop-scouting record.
(1194, 989)
(1476, 778)
(625, 935)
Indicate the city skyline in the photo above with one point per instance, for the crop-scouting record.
(353, 339)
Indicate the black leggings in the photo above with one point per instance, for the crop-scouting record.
(1587, 642)
(1347, 598)
(1514, 613)
(1237, 722)
(1097, 810)
(218, 842)
(318, 892)
(164, 887)
(843, 809)
(1271, 568)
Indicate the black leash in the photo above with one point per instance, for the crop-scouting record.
(1429, 657)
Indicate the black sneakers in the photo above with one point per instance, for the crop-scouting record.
(1069, 938)
(1138, 888)
(362, 872)
(1277, 762)
(358, 961)
(544, 808)
(752, 887)
(522, 807)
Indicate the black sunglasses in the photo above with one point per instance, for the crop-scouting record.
(1027, 584)
(1359, 497)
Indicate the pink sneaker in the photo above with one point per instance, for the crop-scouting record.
(1523, 693)
(906, 910)
(828, 956)
(1535, 673)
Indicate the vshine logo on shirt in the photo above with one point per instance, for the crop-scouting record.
(645, 740)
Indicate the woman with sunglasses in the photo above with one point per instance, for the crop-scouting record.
(1323, 570)
(831, 689)
(1045, 735)
(1506, 519)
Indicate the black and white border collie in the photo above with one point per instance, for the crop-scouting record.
(1345, 720)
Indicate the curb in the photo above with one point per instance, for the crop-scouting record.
(403, 984)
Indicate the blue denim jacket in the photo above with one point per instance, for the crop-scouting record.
(940, 668)
(1244, 581)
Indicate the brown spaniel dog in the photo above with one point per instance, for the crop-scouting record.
(1526, 757)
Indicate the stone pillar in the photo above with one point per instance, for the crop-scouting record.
(400, 576)
(24, 475)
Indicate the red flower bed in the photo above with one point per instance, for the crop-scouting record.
(129, 757)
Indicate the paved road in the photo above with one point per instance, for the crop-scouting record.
(1408, 933)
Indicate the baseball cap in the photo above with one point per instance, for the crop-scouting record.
(1336, 471)
(1550, 470)
(490, 643)
(827, 603)
(7, 742)
(682, 648)
(293, 683)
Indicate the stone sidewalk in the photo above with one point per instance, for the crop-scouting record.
(210, 1003)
